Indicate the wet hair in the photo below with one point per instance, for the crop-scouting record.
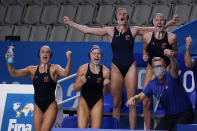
(158, 14)
(117, 13)
(93, 47)
(51, 53)
(158, 59)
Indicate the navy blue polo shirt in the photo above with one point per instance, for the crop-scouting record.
(174, 98)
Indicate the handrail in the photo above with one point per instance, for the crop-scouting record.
(69, 99)
(66, 78)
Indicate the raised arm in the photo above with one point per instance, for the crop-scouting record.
(188, 59)
(173, 63)
(173, 21)
(65, 72)
(142, 30)
(80, 78)
(106, 83)
(86, 29)
(173, 42)
(16, 73)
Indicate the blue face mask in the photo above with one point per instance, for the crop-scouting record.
(159, 71)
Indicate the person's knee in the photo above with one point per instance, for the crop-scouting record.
(45, 128)
(117, 104)
(146, 104)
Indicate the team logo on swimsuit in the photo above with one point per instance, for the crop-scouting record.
(127, 37)
(99, 80)
(46, 79)
(163, 45)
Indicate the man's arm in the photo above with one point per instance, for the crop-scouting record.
(135, 99)
(65, 72)
(173, 63)
(187, 57)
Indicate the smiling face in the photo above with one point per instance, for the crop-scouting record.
(159, 22)
(95, 56)
(45, 53)
(122, 16)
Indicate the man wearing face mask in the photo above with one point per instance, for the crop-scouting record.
(169, 93)
(154, 45)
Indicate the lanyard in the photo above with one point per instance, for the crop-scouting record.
(164, 85)
(159, 96)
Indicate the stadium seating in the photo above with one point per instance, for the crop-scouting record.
(107, 122)
(49, 13)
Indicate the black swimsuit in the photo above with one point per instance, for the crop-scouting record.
(122, 49)
(44, 87)
(156, 48)
(92, 90)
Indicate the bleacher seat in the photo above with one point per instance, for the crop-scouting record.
(67, 10)
(41, 2)
(49, 14)
(166, 1)
(8, 2)
(171, 28)
(105, 38)
(185, 1)
(69, 122)
(193, 13)
(149, 1)
(183, 10)
(107, 122)
(58, 33)
(160, 8)
(108, 1)
(108, 103)
(127, 1)
(74, 35)
(93, 2)
(138, 38)
(39, 33)
(14, 13)
(22, 31)
(32, 14)
(24, 2)
(5, 31)
(92, 38)
(85, 14)
(2, 13)
(141, 14)
(104, 15)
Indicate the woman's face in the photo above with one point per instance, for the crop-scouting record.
(95, 56)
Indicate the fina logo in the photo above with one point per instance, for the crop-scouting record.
(26, 111)
(18, 113)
